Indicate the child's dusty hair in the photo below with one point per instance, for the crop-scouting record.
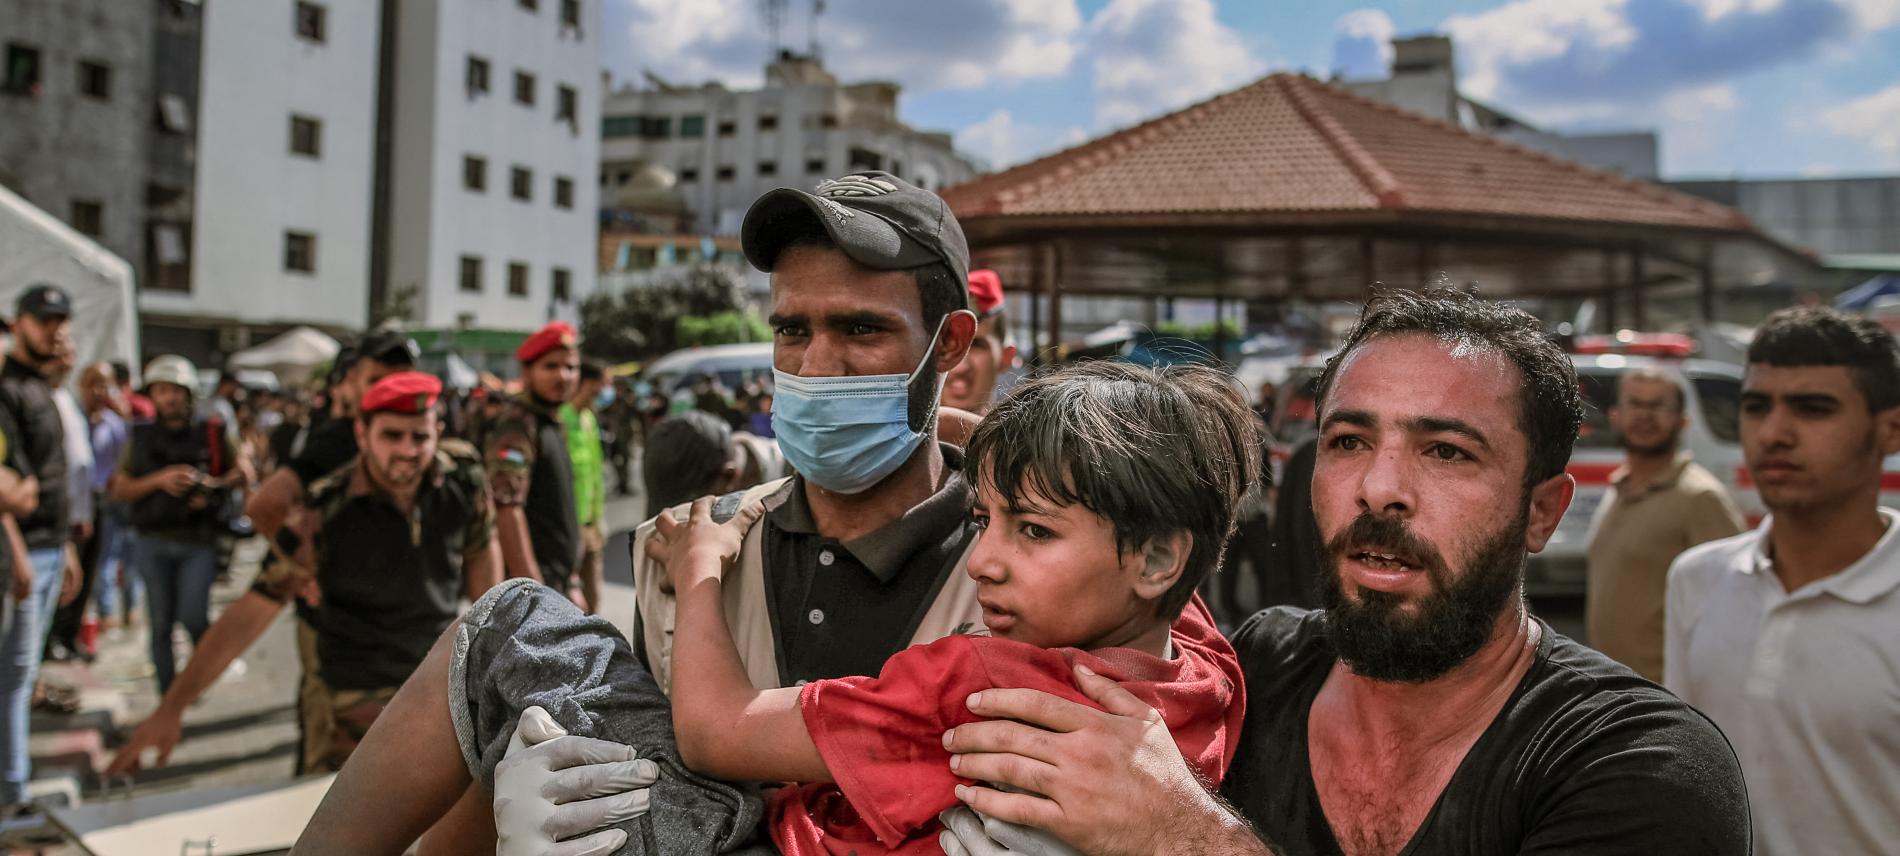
(1152, 451)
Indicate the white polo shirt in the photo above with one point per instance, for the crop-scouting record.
(1806, 684)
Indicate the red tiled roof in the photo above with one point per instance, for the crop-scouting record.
(1291, 143)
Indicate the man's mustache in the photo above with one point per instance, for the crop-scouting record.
(1386, 534)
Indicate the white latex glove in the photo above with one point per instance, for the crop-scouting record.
(551, 786)
(967, 833)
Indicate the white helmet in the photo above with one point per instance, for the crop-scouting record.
(172, 369)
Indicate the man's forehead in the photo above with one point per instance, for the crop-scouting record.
(1413, 375)
(1799, 380)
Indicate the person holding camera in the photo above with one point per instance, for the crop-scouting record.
(177, 474)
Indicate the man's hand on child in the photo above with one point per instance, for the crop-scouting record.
(551, 787)
(969, 833)
(699, 549)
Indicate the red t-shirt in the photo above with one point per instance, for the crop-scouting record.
(882, 737)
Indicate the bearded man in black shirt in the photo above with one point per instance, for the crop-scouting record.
(1424, 710)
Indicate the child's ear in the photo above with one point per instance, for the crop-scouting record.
(1162, 561)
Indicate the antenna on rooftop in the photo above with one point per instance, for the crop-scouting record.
(811, 28)
(774, 13)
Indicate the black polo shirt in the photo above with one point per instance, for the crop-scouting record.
(392, 581)
(842, 608)
(42, 444)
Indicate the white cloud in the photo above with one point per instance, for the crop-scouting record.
(1151, 56)
(1002, 141)
(1873, 121)
(1362, 44)
(1700, 101)
(1548, 57)
(961, 45)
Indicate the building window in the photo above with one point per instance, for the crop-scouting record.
(477, 76)
(475, 173)
(725, 173)
(524, 88)
(95, 80)
(530, 5)
(89, 217)
(829, 120)
(689, 173)
(897, 168)
(768, 123)
(558, 280)
(300, 252)
(815, 166)
(619, 126)
(567, 107)
(656, 127)
(521, 183)
(866, 159)
(23, 70)
(168, 257)
(571, 13)
(692, 126)
(312, 19)
(727, 128)
(768, 168)
(306, 136)
(563, 192)
(518, 279)
(471, 274)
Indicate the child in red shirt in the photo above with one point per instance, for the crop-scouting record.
(1105, 493)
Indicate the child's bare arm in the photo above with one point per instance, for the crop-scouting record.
(725, 727)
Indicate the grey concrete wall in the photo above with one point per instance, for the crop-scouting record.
(58, 145)
(1827, 215)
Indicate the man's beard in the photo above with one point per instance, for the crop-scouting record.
(1665, 447)
(383, 473)
(1379, 639)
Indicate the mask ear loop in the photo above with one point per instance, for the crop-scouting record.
(930, 352)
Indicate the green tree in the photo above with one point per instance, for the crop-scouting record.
(700, 305)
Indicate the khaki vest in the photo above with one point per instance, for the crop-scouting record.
(954, 611)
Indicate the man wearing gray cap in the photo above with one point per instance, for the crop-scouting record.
(855, 558)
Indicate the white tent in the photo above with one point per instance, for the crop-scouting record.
(292, 353)
(35, 247)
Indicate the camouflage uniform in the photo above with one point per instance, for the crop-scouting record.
(385, 587)
(525, 450)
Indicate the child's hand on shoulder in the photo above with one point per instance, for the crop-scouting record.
(699, 549)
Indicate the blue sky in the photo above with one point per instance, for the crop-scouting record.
(1735, 87)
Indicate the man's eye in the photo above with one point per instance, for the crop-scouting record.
(860, 330)
(790, 330)
(1448, 452)
(982, 521)
(1348, 442)
(1037, 533)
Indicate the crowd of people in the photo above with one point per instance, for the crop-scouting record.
(884, 608)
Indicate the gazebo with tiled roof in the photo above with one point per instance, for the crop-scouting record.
(1293, 188)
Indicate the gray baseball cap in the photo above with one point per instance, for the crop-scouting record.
(879, 220)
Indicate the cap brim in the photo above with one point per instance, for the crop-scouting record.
(784, 214)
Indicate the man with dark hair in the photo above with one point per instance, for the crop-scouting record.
(1786, 635)
(41, 322)
(391, 542)
(1660, 503)
(1423, 709)
(971, 385)
(581, 422)
(689, 455)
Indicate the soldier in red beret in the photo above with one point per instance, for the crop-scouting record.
(972, 384)
(531, 479)
(390, 544)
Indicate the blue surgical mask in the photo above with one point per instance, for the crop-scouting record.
(846, 434)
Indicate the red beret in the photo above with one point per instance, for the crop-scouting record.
(557, 334)
(408, 393)
(986, 292)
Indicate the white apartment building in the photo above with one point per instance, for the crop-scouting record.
(285, 164)
(722, 149)
(496, 149)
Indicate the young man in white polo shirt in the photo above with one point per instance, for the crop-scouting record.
(1789, 636)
